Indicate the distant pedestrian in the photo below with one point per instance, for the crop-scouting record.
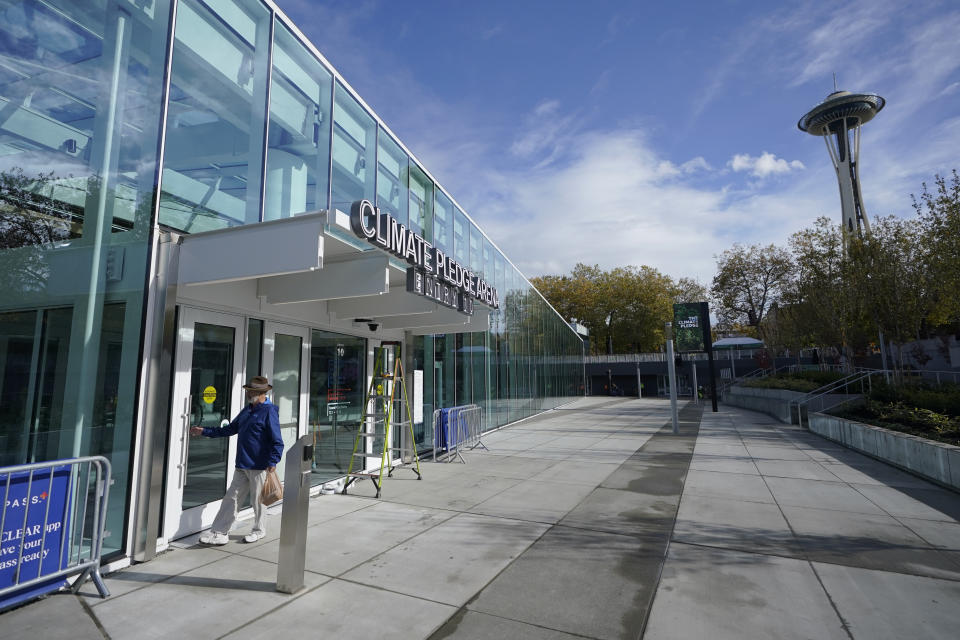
(259, 447)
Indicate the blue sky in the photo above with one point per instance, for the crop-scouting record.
(654, 133)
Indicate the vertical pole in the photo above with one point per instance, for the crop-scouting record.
(883, 357)
(672, 371)
(713, 378)
(696, 395)
(639, 384)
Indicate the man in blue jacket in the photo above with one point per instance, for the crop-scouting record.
(259, 447)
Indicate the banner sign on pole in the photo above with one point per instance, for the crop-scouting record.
(691, 327)
(34, 538)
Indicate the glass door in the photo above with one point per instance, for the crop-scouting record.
(337, 390)
(286, 364)
(207, 392)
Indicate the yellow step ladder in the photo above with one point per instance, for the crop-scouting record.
(378, 407)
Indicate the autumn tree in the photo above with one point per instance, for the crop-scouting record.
(624, 308)
(748, 281)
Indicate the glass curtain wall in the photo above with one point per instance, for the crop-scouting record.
(257, 128)
(213, 162)
(298, 151)
(81, 89)
(354, 152)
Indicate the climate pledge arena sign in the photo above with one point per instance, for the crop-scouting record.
(432, 273)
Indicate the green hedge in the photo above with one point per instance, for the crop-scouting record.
(920, 409)
(803, 381)
(943, 398)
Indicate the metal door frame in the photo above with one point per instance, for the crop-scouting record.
(177, 522)
(270, 329)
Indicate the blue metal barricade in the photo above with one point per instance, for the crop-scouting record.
(454, 428)
(51, 526)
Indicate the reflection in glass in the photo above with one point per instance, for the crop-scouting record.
(336, 399)
(443, 223)
(217, 114)
(80, 96)
(298, 158)
(461, 237)
(211, 370)
(254, 357)
(286, 386)
(354, 152)
(392, 171)
(421, 202)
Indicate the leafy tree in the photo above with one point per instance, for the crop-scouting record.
(690, 290)
(624, 308)
(939, 213)
(748, 281)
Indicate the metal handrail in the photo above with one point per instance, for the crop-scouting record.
(81, 546)
(826, 389)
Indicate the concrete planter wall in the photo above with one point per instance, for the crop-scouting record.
(773, 402)
(932, 460)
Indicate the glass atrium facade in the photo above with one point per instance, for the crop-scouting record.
(120, 119)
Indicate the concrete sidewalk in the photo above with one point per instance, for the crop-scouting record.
(589, 521)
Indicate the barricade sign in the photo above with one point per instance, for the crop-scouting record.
(454, 428)
(51, 526)
(36, 516)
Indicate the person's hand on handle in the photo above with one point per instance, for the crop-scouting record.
(196, 431)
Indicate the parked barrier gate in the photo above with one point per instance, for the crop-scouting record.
(51, 526)
(455, 428)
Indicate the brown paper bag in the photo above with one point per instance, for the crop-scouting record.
(272, 489)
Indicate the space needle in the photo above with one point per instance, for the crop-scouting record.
(841, 114)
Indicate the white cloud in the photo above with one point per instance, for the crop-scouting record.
(949, 89)
(544, 134)
(764, 165)
(694, 165)
(612, 200)
(486, 34)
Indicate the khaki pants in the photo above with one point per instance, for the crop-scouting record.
(244, 481)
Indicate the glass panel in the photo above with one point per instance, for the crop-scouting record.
(421, 202)
(462, 365)
(354, 148)
(476, 252)
(337, 377)
(392, 173)
(254, 348)
(298, 157)
(421, 355)
(286, 387)
(80, 96)
(17, 341)
(443, 223)
(207, 457)
(488, 269)
(461, 237)
(215, 126)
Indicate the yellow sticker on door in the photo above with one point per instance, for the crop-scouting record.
(209, 395)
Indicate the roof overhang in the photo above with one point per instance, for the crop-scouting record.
(299, 260)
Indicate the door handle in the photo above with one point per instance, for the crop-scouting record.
(184, 440)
